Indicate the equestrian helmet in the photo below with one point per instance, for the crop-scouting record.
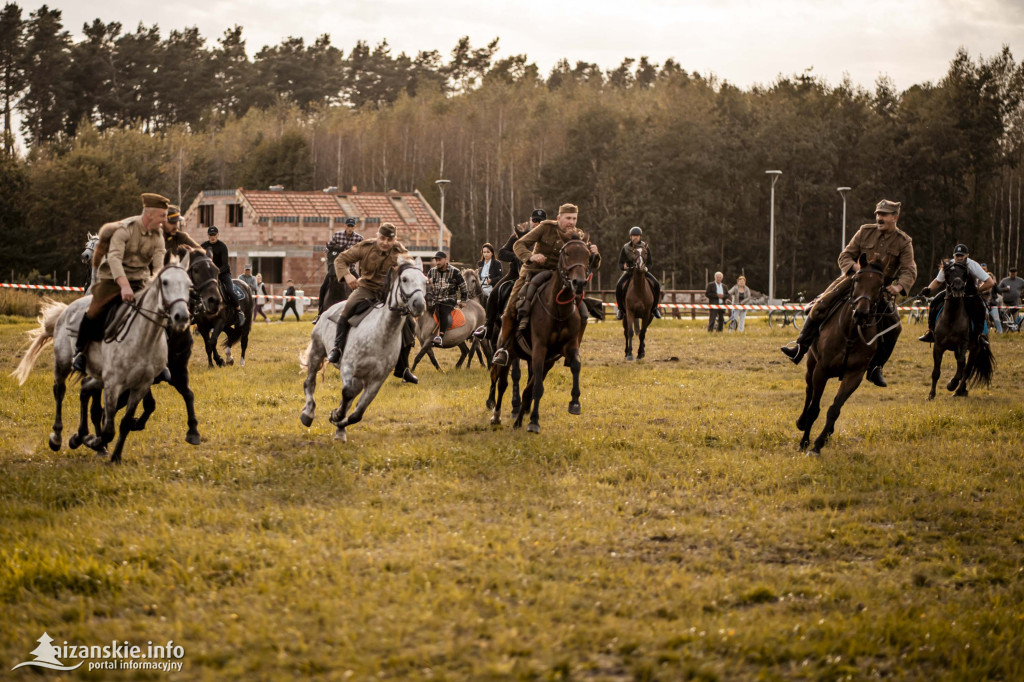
(635, 231)
(960, 250)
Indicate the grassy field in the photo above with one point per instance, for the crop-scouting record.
(673, 531)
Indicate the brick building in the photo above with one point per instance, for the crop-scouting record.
(282, 234)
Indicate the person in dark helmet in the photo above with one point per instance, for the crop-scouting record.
(883, 240)
(218, 251)
(974, 304)
(634, 248)
(507, 254)
(341, 241)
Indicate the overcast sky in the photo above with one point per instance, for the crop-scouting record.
(742, 41)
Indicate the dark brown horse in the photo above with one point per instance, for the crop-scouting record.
(974, 361)
(555, 329)
(639, 307)
(844, 348)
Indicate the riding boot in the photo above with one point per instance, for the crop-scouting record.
(504, 339)
(402, 370)
(620, 298)
(656, 290)
(803, 342)
(86, 332)
(933, 314)
(340, 336)
(886, 345)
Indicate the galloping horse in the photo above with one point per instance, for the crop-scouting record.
(843, 350)
(953, 333)
(639, 305)
(496, 303)
(426, 327)
(127, 363)
(222, 319)
(371, 349)
(555, 328)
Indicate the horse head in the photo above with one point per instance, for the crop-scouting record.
(639, 263)
(173, 284)
(90, 247)
(203, 274)
(473, 286)
(574, 266)
(867, 286)
(409, 290)
(957, 278)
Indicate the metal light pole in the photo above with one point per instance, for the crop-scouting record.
(441, 185)
(843, 191)
(771, 253)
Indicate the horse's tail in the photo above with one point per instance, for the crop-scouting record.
(304, 356)
(980, 365)
(40, 337)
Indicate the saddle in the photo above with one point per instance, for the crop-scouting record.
(456, 319)
(236, 292)
(525, 303)
(359, 312)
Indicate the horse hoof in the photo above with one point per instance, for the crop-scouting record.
(960, 394)
(192, 438)
(340, 435)
(931, 396)
(574, 408)
(803, 444)
(815, 452)
(495, 421)
(242, 363)
(952, 385)
(629, 358)
(74, 441)
(305, 419)
(54, 442)
(533, 427)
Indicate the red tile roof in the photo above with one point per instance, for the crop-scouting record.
(302, 204)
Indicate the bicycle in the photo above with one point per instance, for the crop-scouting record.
(784, 317)
(1011, 319)
(918, 316)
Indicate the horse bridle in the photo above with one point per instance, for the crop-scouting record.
(158, 317)
(874, 316)
(197, 287)
(403, 305)
(960, 291)
(563, 273)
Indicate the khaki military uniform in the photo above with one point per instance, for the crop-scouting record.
(134, 254)
(173, 241)
(543, 239)
(895, 249)
(374, 266)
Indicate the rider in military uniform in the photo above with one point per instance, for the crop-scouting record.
(882, 239)
(135, 254)
(174, 236)
(627, 260)
(376, 258)
(538, 250)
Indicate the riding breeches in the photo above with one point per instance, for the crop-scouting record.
(513, 298)
(107, 292)
(360, 294)
(839, 289)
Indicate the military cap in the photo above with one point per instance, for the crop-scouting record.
(387, 230)
(568, 208)
(538, 215)
(886, 206)
(154, 201)
(440, 254)
(212, 229)
(635, 230)
(173, 214)
(351, 222)
(960, 249)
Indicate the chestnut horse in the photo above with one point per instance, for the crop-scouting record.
(555, 329)
(639, 307)
(844, 348)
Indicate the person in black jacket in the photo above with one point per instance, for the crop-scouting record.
(717, 295)
(218, 251)
(628, 259)
(289, 303)
(506, 253)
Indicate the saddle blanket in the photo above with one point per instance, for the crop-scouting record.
(458, 319)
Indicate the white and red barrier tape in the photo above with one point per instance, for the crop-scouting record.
(50, 287)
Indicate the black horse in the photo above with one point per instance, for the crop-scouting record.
(496, 303)
(212, 321)
(956, 331)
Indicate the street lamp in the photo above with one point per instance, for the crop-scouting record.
(771, 253)
(441, 185)
(843, 191)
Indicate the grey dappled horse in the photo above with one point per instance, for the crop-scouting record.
(126, 364)
(371, 349)
(427, 328)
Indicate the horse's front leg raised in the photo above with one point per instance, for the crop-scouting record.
(848, 385)
(148, 408)
(364, 401)
(349, 391)
(937, 352)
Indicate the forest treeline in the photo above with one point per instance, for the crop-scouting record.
(679, 153)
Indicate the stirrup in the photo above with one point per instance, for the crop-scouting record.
(657, 312)
(480, 331)
(500, 357)
(794, 353)
(438, 342)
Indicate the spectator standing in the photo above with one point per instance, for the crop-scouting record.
(248, 278)
(717, 295)
(289, 303)
(991, 299)
(260, 292)
(489, 268)
(740, 295)
(1011, 287)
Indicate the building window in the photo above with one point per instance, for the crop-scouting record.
(235, 215)
(272, 268)
(206, 215)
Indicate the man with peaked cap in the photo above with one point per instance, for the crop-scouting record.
(340, 241)
(247, 277)
(174, 235)
(538, 250)
(376, 258)
(135, 253)
(881, 239)
(627, 260)
(975, 306)
(448, 289)
(218, 251)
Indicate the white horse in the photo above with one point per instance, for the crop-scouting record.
(124, 365)
(371, 350)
